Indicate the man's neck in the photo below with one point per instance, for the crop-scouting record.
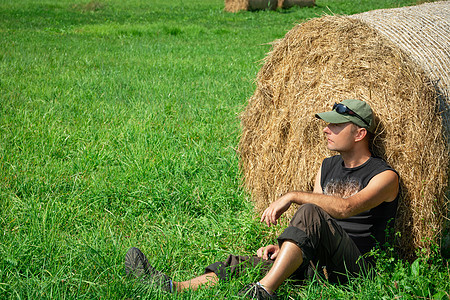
(356, 158)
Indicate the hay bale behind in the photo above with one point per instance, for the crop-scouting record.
(286, 4)
(326, 60)
(425, 38)
(237, 5)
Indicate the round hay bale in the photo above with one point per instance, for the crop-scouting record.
(286, 4)
(326, 60)
(237, 5)
(423, 33)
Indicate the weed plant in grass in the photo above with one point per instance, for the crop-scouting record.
(118, 128)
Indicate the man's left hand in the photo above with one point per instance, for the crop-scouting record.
(268, 252)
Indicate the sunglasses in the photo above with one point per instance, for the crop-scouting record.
(342, 109)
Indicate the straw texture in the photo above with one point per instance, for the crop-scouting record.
(423, 33)
(326, 60)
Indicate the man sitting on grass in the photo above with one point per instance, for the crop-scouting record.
(354, 197)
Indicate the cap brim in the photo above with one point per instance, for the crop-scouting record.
(333, 117)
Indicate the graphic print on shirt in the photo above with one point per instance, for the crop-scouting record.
(343, 188)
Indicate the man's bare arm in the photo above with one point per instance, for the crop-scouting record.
(317, 186)
(381, 188)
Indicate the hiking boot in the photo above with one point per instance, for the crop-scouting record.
(137, 266)
(255, 291)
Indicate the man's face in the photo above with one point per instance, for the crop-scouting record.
(340, 137)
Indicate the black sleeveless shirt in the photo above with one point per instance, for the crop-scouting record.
(366, 228)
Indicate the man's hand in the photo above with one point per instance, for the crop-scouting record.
(276, 209)
(268, 252)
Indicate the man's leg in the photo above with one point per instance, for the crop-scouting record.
(313, 235)
(209, 279)
(322, 239)
(233, 266)
(287, 262)
(137, 266)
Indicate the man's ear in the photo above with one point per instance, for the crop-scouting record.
(360, 134)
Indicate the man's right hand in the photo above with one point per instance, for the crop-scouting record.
(276, 209)
(268, 252)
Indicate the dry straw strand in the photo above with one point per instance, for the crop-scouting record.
(326, 60)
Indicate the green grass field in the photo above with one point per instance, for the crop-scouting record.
(119, 127)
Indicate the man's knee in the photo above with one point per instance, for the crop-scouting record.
(309, 208)
(306, 214)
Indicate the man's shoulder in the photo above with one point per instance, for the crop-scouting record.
(381, 163)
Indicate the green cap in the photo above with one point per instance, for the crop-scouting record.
(361, 114)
